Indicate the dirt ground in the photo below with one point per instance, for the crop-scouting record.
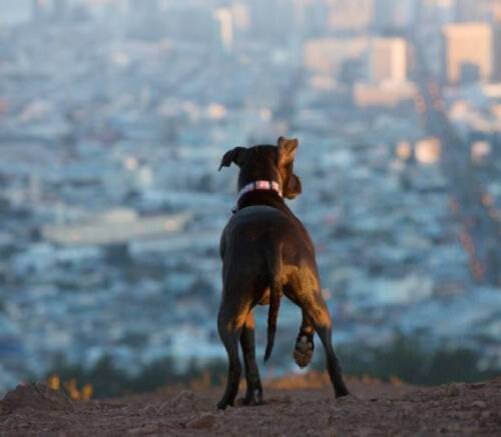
(295, 406)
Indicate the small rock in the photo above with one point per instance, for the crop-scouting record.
(452, 390)
(150, 411)
(185, 400)
(205, 421)
(479, 404)
(477, 385)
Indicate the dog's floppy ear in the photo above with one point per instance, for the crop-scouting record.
(236, 155)
(294, 187)
(287, 149)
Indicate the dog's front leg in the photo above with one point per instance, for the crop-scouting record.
(230, 326)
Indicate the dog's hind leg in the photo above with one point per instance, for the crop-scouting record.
(333, 367)
(303, 351)
(313, 305)
(254, 394)
(323, 325)
(230, 328)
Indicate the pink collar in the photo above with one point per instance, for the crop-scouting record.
(259, 186)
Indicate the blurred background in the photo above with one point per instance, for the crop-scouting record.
(114, 116)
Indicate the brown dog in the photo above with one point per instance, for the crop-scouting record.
(267, 252)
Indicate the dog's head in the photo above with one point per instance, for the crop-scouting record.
(270, 163)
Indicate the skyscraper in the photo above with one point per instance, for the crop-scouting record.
(468, 52)
(224, 29)
(496, 75)
(389, 60)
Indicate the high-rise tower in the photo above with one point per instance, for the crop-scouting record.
(468, 52)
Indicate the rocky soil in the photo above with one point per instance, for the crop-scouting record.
(296, 406)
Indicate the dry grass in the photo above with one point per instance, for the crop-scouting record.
(71, 388)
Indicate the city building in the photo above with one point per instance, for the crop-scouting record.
(383, 95)
(187, 20)
(473, 10)
(388, 60)
(273, 20)
(241, 16)
(116, 227)
(223, 18)
(351, 15)
(496, 77)
(390, 15)
(39, 10)
(468, 52)
(310, 17)
(434, 14)
(146, 19)
(60, 9)
(327, 55)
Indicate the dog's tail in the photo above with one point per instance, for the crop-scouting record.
(274, 263)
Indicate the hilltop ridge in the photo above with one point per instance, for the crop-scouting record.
(295, 405)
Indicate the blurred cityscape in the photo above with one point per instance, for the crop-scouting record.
(114, 116)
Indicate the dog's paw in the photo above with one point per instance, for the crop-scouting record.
(303, 352)
(255, 397)
(223, 403)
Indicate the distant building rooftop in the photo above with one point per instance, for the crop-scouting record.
(114, 228)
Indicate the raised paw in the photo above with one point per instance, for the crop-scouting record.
(303, 351)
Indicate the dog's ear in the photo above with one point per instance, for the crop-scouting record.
(236, 155)
(293, 188)
(287, 149)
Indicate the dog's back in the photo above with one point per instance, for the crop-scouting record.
(260, 226)
(263, 250)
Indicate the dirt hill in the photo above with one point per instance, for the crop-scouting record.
(298, 406)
